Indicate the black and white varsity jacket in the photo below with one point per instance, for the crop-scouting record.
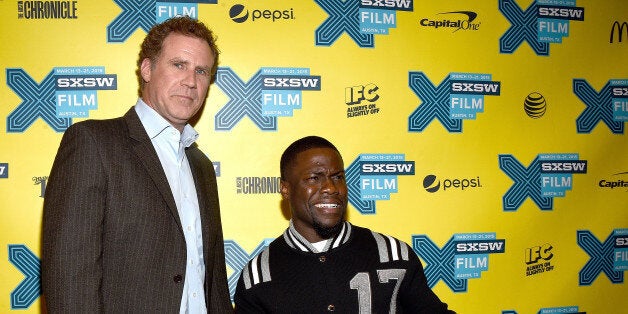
(358, 271)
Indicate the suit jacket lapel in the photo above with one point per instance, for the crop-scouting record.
(145, 152)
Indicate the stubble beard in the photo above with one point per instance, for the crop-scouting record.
(328, 232)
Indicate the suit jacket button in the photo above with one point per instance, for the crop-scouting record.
(177, 278)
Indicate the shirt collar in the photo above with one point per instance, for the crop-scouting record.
(298, 242)
(155, 124)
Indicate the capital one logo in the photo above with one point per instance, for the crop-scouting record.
(361, 20)
(270, 93)
(547, 176)
(463, 257)
(236, 258)
(460, 96)
(27, 291)
(372, 177)
(609, 105)
(609, 257)
(538, 25)
(146, 13)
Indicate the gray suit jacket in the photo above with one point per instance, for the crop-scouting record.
(112, 237)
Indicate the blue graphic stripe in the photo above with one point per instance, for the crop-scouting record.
(352, 175)
(601, 259)
(527, 183)
(343, 17)
(523, 27)
(245, 100)
(599, 107)
(435, 104)
(38, 101)
(236, 258)
(135, 14)
(439, 263)
(30, 288)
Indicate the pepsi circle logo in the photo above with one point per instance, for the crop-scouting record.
(238, 14)
(430, 184)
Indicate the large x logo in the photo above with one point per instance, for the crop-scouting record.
(236, 258)
(523, 27)
(245, 100)
(30, 288)
(601, 259)
(599, 107)
(343, 17)
(435, 104)
(439, 262)
(527, 183)
(38, 101)
(352, 175)
(135, 14)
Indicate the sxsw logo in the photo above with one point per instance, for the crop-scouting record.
(548, 176)
(458, 97)
(542, 23)
(372, 177)
(553, 310)
(29, 289)
(609, 257)
(463, 257)
(609, 105)
(65, 93)
(236, 258)
(270, 93)
(217, 168)
(4, 170)
(361, 20)
(146, 13)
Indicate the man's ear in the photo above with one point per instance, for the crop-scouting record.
(146, 69)
(284, 189)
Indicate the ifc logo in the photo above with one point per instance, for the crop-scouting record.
(238, 14)
(535, 105)
(428, 183)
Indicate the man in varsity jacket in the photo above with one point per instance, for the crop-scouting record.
(322, 263)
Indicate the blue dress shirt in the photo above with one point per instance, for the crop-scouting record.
(170, 145)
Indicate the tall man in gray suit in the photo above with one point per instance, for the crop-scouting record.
(131, 219)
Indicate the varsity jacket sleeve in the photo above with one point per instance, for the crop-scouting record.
(417, 297)
(245, 300)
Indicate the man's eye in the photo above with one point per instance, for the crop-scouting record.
(178, 65)
(202, 72)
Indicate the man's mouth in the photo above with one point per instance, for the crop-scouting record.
(327, 205)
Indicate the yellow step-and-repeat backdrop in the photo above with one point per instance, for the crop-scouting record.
(488, 135)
